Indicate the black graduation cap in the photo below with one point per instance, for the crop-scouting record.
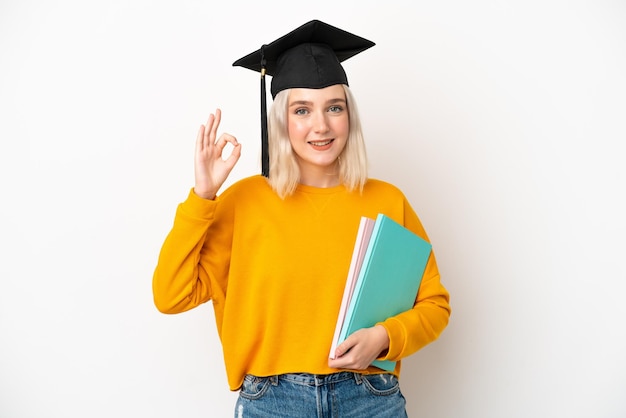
(307, 57)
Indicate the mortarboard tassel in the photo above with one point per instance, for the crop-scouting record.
(265, 159)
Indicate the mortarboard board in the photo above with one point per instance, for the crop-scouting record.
(307, 57)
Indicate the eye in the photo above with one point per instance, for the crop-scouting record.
(301, 111)
(335, 109)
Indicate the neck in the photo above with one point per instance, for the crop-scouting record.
(316, 176)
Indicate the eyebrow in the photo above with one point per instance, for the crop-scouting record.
(309, 103)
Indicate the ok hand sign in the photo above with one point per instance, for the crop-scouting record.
(211, 170)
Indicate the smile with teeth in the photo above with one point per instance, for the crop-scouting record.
(321, 143)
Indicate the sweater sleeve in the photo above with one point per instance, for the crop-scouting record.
(181, 281)
(412, 330)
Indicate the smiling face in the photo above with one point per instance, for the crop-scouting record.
(318, 126)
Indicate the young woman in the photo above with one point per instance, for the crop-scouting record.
(272, 253)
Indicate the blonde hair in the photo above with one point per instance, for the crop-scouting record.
(284, 172)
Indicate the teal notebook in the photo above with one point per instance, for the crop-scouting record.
(388, 280)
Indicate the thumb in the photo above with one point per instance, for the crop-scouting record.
(345, 346)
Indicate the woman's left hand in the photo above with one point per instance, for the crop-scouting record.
(360, 349)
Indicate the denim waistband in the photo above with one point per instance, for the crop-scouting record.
(319, 379)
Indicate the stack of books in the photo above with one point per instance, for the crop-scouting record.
(388, 262)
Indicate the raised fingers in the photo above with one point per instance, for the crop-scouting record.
(200, 139)
(211, 133)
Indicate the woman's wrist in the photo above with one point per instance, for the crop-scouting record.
(208, 195)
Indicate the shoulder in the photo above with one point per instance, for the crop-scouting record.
(250, 190)
(252, 184)
(376, 186)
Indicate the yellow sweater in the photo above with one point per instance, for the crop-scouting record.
(276, 269)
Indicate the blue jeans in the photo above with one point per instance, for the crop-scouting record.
(338, 395)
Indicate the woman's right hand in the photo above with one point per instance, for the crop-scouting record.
(211, 170)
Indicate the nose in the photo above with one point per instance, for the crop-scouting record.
(320, 122)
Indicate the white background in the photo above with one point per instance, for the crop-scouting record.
(503, 122)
